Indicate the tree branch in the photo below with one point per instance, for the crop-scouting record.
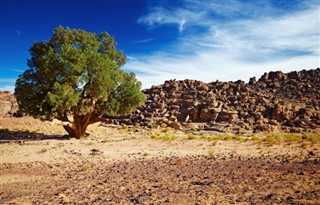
(63, 117)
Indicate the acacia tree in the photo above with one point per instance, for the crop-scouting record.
(76, 77)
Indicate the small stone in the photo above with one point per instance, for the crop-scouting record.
(176, 125)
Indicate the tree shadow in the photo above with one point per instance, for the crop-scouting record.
(13, 136)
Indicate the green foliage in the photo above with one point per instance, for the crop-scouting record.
(77, 73)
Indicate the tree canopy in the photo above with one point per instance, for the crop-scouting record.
(76, 77)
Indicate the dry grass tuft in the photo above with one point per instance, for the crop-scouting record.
(146, 154)
(165, 137)
(85, 167)
(214, 143)
(312, 137)
(43, 150)
(191, 136)
(211, 151)
(288, 138)
(179, 162)
(90, 143)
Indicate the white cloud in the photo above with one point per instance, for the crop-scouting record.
(212, 66)
(237, 49)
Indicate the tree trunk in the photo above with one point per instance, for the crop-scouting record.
(77, 132)
(77, 129)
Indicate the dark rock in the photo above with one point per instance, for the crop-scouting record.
(176, 125)
(184, 115)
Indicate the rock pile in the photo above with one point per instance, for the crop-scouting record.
(287, 102)
(8, 104)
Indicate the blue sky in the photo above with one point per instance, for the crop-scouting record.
(181, 39)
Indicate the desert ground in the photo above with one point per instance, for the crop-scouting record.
(135, 165)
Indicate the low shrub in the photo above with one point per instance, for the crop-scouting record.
(191, 136)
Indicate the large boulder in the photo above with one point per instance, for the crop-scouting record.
(8, 104)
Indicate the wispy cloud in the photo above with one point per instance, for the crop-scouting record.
(17, 70)
(206, 13)
(237, 43)
(8, 80)
(144, 41)
(180, 17)
(131, 58)
(18, 32)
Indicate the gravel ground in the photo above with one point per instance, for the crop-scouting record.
(115, 166)
(172, 180)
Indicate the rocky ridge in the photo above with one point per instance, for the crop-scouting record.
(278, 101)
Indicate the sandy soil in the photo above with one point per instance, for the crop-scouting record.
(39, 165)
